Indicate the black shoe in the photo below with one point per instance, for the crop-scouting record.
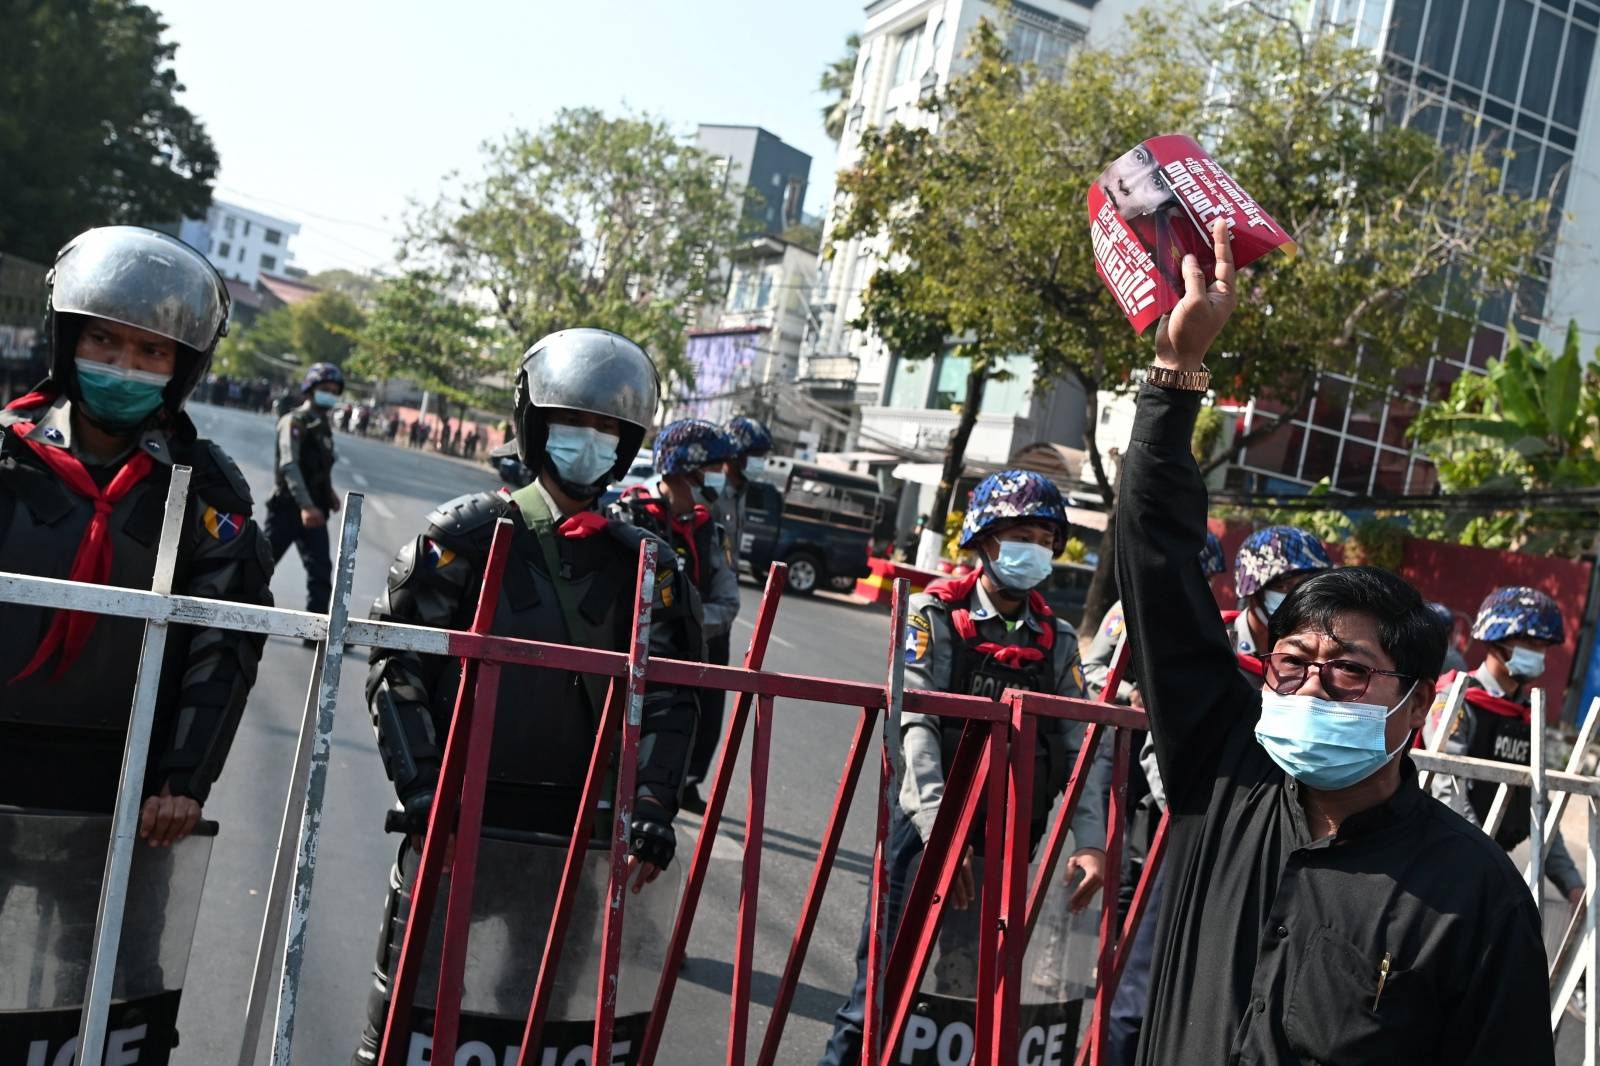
(691, 800)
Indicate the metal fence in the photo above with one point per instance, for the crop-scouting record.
(992, 769)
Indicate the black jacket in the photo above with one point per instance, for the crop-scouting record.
(1270, 943)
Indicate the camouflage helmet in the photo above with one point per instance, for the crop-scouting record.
(1212, 561)
(688, 444)
(1519, 611)
(1270, 553)
(322, 374)
(1013, 495)
(748, 436)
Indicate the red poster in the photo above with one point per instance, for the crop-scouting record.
(1155, 205)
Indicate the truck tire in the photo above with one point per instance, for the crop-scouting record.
(805, 572)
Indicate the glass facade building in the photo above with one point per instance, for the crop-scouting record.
(1511, 77)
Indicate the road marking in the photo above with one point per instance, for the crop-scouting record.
(360, 479)
(379, 506)
(779, 641)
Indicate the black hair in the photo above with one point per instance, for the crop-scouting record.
(1408, 630)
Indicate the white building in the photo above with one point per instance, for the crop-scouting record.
(242, 244)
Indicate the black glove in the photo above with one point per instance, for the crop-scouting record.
(413, 818)
(651, 838)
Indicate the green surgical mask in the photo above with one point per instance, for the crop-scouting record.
(117, 396)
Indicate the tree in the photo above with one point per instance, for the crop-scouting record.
(984, 228)
(594, 221)
(91, 130)
(420, 329)
(358, 286)
(265, 348)
(836, 81)
(1530, 424)
(326, 327)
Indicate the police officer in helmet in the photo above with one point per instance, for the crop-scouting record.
(752, 443)
(304, 497)
(583, 400)
(1272, 562)
(980, 635)
(85, 462)
(1519, 624)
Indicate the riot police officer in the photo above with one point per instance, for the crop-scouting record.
(1519, 624)
(688, 456)
(752, 443)
(1272, 562)
(85, 461)
(583, 399)
(980, 635)
(303, 496)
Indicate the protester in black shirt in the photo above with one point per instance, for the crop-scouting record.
(1319, 908)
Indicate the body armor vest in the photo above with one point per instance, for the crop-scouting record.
(316, 459)
(1500, 729)
(693, 541)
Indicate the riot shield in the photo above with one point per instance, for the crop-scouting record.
(513, 898)
(50, 870)
(1058, 974)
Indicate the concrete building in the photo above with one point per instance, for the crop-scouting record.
(754, 160)
(241, 243)
(747, 357)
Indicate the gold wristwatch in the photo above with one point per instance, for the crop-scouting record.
(1188, 380)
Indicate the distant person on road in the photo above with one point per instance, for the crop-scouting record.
(298, 511)
(584, 399)
(980, 635)
(1319, 906)
(688, 458)
(1519, 625)
(85, 463)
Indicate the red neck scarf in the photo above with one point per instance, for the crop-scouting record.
(1483, 701)
(582, 524)
(959, 590)
(1250, 664)
(69, 630)
(682, 529)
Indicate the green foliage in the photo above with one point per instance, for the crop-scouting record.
(836, 81)
(1207, 434)
(326, 327)
(359, 287)
(804, 234)
(952, 535)
(265, 348)
(419, 329)
(590, 221)
(1530, 424)
(91, 130)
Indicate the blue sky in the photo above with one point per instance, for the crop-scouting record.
(337, 113)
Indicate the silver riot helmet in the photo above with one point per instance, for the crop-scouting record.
(140, 278)
(591, 370)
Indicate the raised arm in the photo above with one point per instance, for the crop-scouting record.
(1189, 680)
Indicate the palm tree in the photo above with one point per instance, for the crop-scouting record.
(836, 80)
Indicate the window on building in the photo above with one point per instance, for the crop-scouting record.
(1543, 58)
(905, 55)
(228, 226)
(247, 228)
(241, 253)
(764, 290)
(1472, 59)
(269, 262)
(1439, 39)
(273, 236)
(909, 389)
(866, 76)
(1505, 71)
(1405, 27)
(1574, 76)
(225, 249)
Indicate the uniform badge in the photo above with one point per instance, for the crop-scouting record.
(918, 636)
(664, 586)
(1078, 678)
(53, 435)
(1111, 627)
(436, 555)
(222, 525)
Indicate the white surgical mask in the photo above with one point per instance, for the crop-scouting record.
(1020, 565)
(581, 455)
(1525, 663)
(755, 466)
(1271, 601)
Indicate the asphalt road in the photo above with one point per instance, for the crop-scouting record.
(824, 635)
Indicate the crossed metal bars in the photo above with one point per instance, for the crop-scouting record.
(985, 771)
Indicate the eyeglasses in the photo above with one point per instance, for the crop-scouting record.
(1342, 679)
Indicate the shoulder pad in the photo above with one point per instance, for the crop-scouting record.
(217, 478)
(464, 516)
(923, 602)
(630, 536)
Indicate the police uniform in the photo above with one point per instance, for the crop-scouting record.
(1489, 732)
(64, 722)
(303, 480)
(569, 579)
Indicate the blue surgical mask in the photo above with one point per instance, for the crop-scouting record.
(325, 399)
(1525, 664)
(755, 466)
(1271, 600)
(1019, 565)
(581, 455)
(716, 482)
(1325, 744)
(118, 396)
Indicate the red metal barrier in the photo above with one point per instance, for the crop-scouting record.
(983, 774)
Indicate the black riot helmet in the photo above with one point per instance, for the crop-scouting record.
(591, 370)
(144, 279)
